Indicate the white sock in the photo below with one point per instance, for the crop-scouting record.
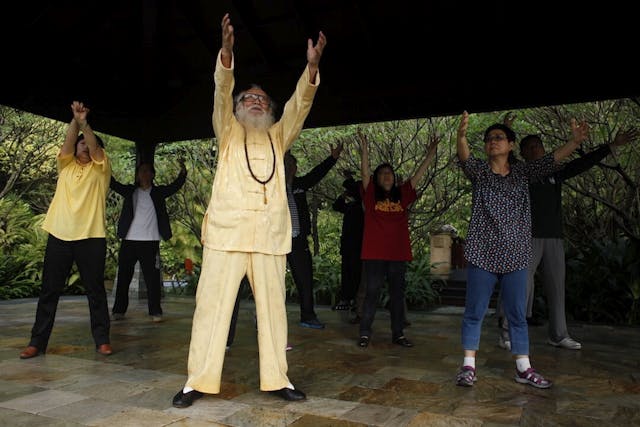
(186, 389)
(523, 363)
(469, 361)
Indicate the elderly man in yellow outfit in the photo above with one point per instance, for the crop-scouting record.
(247, 226)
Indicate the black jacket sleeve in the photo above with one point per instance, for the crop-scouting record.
(339, 205)
(583, 163)
(170, 189)
(118, 187)
(315, 175)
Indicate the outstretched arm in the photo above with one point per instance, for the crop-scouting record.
(365, 172)
(226, 52)
(462, 143)
(314, 53)
(579, 133)
(431, 152)
(508, 119)
(316, 174)
(117, 186)
(623, 137)
(179, 181)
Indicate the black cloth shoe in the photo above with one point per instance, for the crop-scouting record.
(184, 400)
(364, 341)
(289, 394)
(403, 341)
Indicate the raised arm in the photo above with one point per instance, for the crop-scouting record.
(117, 186)
(623, 137)
(314, 53)
(365, 171)
(462, 143)
(579, 133)
(315, 175)
(226, 51)
(79, 124)
(508, 119)
(431, 152)
(179, 181)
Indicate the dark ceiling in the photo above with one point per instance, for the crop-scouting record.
(145, 67)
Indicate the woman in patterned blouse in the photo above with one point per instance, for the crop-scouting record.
(498, 244)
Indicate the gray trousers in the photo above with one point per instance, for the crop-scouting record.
(549, 253)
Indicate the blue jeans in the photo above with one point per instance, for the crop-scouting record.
(513, 290)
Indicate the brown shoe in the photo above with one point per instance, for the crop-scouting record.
(29, 352)
(104, 349)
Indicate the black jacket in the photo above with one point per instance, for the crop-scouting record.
(546, 194)
(299, 187)
(158, 194)
(353, 219)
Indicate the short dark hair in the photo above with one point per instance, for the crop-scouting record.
(528, 139)
(153, 171)
(511, 135)
(81, 137)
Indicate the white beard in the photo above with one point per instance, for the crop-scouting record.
(259, 122)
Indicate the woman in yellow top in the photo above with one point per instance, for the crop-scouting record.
(75, 222)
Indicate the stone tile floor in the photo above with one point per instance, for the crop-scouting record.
(383, 385)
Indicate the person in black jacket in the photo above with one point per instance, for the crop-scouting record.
(548, 239)
(349, 204)
(299, 258)
(143, 222)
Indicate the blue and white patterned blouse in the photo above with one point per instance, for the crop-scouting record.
(499, 237)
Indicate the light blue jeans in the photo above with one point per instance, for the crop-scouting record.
(513, 291)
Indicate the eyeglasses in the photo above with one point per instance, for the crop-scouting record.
(497, 137)
(253, 97)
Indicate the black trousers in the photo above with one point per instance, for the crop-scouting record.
(89, 255)
(350, 273)
(376, 271)
(148, 254)
(301, 266)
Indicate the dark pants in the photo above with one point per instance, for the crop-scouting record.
(302, 271)
(89, 255)
(350, 274)
(376, 271)
(148, 254)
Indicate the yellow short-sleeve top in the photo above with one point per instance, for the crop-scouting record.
(77, 210)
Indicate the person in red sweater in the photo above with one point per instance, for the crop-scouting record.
(386, 246)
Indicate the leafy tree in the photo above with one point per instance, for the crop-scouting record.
(28, 145)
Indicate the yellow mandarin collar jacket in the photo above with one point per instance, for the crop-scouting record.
(237, 218)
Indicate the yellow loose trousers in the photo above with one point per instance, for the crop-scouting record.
(218, 287)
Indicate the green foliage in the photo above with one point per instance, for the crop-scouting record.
(28, 145)
(421, 292)
(600, 205)
(603, 282)
(173, 252)
(22, 242)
